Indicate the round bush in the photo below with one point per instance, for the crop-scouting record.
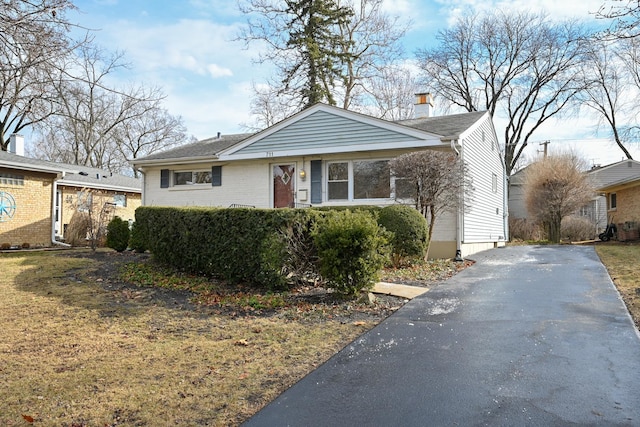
(409, 230)
(118, 234)
(350, 249)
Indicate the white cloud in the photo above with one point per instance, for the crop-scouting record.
(580, 9)
(217, 71)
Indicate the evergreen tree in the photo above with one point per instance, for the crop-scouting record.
(313, 34)
(304, 45)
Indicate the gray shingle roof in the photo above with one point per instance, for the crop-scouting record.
(205, 148)
(446, 126)
(74, 174)
(450, 126)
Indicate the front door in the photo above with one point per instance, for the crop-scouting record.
(283, 186)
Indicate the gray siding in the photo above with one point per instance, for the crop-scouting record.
(321, 129)
(484, 216)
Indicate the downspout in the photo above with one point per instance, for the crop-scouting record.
(460, 219)
(144, 185)
(53, 212)
(505, 207)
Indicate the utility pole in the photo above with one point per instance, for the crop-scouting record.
(546, 143)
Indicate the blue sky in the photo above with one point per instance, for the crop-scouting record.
(186, 47)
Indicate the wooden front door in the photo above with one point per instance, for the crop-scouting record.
(284, 177)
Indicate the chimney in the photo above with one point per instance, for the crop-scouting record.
(16, 144)
(424, 106)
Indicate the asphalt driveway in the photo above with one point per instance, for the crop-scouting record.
(530, 335)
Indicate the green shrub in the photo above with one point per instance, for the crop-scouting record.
(409, 230)
(118, 234)
(137, 240)
(351, 249)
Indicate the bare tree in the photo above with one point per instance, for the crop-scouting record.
(34, 37)
(367, 47)
(392, 94)
(96, 125)
(154, 129)
(268, 106)
(609, 88)
(517, 64)
(629, 53)
(370, 41)
(436, 181)
(624, 16)
(555, 188)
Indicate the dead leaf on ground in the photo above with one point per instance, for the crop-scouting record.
(27, 418)
(241, 343)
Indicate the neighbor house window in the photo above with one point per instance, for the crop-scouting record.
(120, 200)
(11, 179)
(613, 202)
(494, 183)
(190, 178)
(85, 200)
(358, 180)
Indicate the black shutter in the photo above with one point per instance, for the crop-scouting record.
(164, 178)
(316, 181)
(216, 176)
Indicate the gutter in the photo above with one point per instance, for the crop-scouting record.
(53, 211)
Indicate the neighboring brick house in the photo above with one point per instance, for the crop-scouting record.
(38, 198)
(596, 210)
(623, 205)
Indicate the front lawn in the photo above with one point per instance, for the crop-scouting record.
(86, 340)
(622, 262)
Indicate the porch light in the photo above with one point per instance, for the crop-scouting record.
(303, 174)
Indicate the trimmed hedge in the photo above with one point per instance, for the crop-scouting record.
(238, 245)
(267, 247)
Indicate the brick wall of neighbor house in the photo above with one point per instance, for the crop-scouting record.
(627, 213)
(31, 222)
(69, 202)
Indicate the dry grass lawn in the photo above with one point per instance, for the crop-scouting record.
(73, 353)
(80, 348)
(623, 263)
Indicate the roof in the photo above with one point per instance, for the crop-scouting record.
(206, 148)
(442, 127)
(73, 175)
(449, 127)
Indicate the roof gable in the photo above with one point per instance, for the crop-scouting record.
(324, 129)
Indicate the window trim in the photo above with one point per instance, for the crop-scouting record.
(351, 181)
(613, 201)
(192, 182)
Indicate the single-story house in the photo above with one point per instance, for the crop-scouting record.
(38, 198)
(623, 205)
(328, 156)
